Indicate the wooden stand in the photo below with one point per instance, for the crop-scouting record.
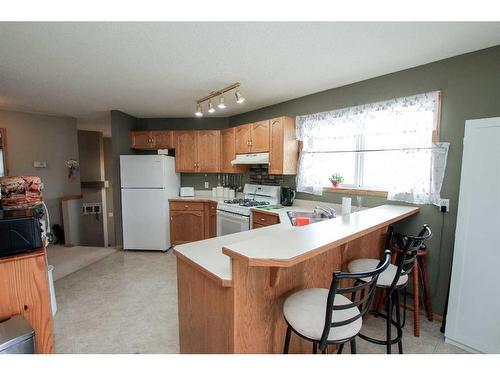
(24, 289)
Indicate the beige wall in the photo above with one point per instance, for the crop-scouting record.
(43, 138)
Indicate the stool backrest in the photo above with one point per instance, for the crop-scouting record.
(409, 246)
(365, 291)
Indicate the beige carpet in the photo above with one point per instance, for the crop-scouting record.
(67, 260)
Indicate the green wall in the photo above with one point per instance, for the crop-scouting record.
(470, 85)
(121, 125)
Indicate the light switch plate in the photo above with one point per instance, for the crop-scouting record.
(40, 164)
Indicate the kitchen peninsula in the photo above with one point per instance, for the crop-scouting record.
(231, 288)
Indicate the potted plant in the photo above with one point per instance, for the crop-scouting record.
(336, 179)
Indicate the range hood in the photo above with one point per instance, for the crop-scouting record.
(260, 158)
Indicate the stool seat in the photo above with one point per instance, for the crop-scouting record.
(385, 279)
(305, 312)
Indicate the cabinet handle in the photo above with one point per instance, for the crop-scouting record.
(186, 206)
(262, 219)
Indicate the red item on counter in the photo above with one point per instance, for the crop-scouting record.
(300, 221)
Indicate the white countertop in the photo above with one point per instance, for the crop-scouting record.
(283, 241)
(297, 241)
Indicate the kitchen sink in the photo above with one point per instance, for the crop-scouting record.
(313, 216)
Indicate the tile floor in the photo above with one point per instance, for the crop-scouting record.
(126, 303)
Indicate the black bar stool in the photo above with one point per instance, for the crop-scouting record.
(392, 281)
(326, 316)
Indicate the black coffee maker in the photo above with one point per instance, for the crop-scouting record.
(287, 196)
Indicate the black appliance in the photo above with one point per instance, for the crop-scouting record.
(287, 196)
(20, 231)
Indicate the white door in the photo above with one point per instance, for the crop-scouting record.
(474, 304)
(142, 171)
(144, 216)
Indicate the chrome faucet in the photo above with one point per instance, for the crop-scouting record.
(330, 212)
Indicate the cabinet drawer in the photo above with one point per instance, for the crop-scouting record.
(186, 206)
(264, 219)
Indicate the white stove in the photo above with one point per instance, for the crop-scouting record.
(234, 215)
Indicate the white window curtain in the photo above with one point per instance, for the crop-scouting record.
(383, 146)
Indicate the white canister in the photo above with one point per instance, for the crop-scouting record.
(214, 192)
(231, 194)
(220, 191)
(346, 205)
(226, 192)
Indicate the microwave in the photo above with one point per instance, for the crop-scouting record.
(20, 232)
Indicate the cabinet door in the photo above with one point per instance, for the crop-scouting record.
(163, 139)
(228, 153)
(212, 220)
(141, 139)
(185, 151)
(186, 226)
(208, 151)
(259, 136)
(276, 147)
(242, 139)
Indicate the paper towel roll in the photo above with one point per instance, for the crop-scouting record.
(346, 205)
(214, 192)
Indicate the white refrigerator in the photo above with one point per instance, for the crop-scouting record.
(147, 181)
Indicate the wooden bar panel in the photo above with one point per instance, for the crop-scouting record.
(205, 312)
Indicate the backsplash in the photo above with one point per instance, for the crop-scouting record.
(260, 175)
(257, 175)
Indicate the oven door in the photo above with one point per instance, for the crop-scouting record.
(228, 223)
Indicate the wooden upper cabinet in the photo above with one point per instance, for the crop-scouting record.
(208, 151)
(228, 152)
(141, 139)
(197, 151)
(259, 136)
(163, 139)
(252, 137)
(151, 139)
(185, 151)
(284, 148)
(242, 139)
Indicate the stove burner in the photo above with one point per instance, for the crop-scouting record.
(246, 202)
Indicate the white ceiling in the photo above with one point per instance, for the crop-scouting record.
(160, 69)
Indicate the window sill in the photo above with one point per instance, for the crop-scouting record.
(356, 191)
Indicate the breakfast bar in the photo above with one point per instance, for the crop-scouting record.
(231, 288)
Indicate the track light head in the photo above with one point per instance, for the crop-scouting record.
(211, 108)
(239, 99)
(198, 112)
(221, 105)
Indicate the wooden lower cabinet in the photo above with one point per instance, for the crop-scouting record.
(261, 219)
(192, 221)
(186, 226)
(24, 290)
(212, 219)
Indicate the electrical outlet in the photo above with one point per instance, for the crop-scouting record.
(207, 185)
(444, 205)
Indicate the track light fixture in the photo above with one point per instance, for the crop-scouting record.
(221, 105)
(211, 108)
(220, 93)
(198, 112)
(239, 99)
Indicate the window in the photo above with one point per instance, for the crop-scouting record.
(380, 146)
